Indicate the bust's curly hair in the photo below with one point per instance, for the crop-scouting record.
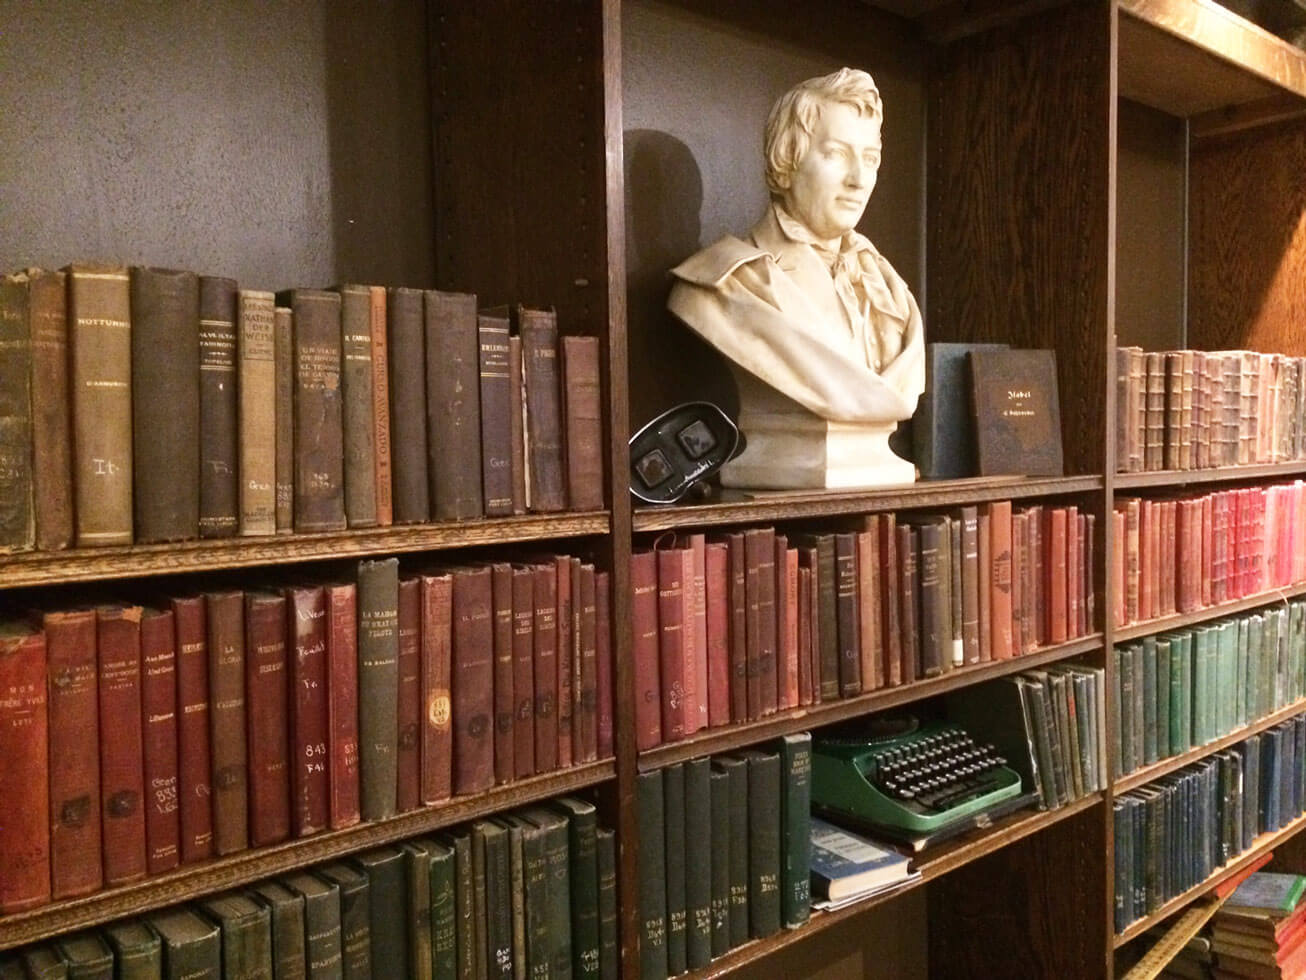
(793, 118)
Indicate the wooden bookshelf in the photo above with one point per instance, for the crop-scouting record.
(1220, 474)
(1162, 624)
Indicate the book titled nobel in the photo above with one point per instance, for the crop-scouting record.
(1017, 412)
(845, 864)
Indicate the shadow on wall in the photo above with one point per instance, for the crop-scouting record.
(669, 364)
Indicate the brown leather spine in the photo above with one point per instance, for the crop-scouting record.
(565, 654)
(583, 408)
(496, 411)
(267, 706)
(970, 605)
(473, 681)
(737, 560)
(24, 786)
(1000, 634)
(505, 704)
(671, 642)
(789, 643)
(645, 649)
(99, 343)
(74, 725)
(437, 667)
(804, 627)
(585, 747)
(52, 472)
(165, 314)
(378, 685)
(17, 513)
(194, 772)
(381, 405)
(908, 618)
(717, 564)
(358, 422)
(219, 408)
(523, 671)
(159, 703)
(517, 416)
(546, 490)
(344, 808)
(782, 615)
(226, 640)
(891, 598)
(453, 414)
(257, 373)
(546, 667)
(696, 624)
(605, 726)
(118, 637)
(406, 336)
(283, 320)
(847, 612)
(310, 737)
(409, 702)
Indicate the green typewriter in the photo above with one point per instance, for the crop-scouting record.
(916, 783)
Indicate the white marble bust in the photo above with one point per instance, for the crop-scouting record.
(824, 337)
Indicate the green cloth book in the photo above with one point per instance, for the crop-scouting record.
(582, 830)
(763, 842)
(136, 950)
(191, 946)
(287, 913)
(245, 931)
(698, 863)
(355, 919)
(87, 956)
(795, 828)
(673, 801)
(650, 814)
(444, 912)
(609, 947)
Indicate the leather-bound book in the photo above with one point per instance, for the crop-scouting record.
(417, 879)
(344, 806)
(357, 404)
(583, 866)
(695, 595)
(52, 461)
(267, 706)
(868, 605)
(310, 734)
(496, 410)
(1055, 575)
(453, 410)
(1017, 412)
(671, 642)
(955, 654)
(122, 786)
(74, 739)
(381, 442)
(605, 724)
(408, 761)
(322, 945)
(984, 573)
(473, 681)
(583, 412)
(504, 697)
(827, 614)
(566, 656)
(717, 621)
(283, 326)
(804, 628)
(490, 841)
(192, 945)
(585, 715)
(935, 615)
(719, 835)
(17, 513)
(908, 548)
(768, 678)
(969, 579)
(245, 933)
(319, 425)
(406, 338)
(159, 706)
(219, 409)
(86, 955)
(378, 685)
(354, 889)
(437, 702)
(609, 951)
(194, 773)
(546, 488)
(137, 950)
(41, 962)
(517, 428)
(847, 613)
(698, 863)
(650, 816)
(257, 373)
(226, 639)
(764, 816)
(737, 561)
(795, 828)
(470, 946)
(24, 777)
(384, 868)
(286, 915)
(546, 667)
(891, 599)
(100, 364)
(443, 910)
(645, 649)
(736, 771)
(943, 428)
(523, 671)
(1001, 639)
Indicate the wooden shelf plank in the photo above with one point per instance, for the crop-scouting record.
(1158, 769)
(730, 737)
(134, 561)
(1266, 842)
(795, 504)
(194, 880)
(1219, 474)
(1133, 631)
(945, 858)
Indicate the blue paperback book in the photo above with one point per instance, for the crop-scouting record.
(845, 864)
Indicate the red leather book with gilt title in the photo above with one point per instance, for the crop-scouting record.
(24, 833)
(121, 770)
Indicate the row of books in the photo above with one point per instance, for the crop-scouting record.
(1187, 553)
(149, 405)
(1179, 690)
(1172, 834)
(1191, 409)
(531, 893)
(724, 853)
(137, 738)
(1261, 929)
(736, 627)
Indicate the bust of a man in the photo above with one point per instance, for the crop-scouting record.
(823, 336)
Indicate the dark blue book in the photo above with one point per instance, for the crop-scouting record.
(942, 429)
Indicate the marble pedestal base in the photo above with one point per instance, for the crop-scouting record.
(801, 451)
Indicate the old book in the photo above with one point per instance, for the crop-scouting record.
(1017, 412)
(17, 505)
(41, 962)
(159, 739)
(408, 759)
(358, 403)
(984, 573)
(847, 615)
(1055, 573)
(786, 562)
(698, 864)
(646, 649)
(406, 338)
(137, 950)
(956, 645)
(99, 366)
(52, 463)
(609, 950)
(719, 836)
(343, 766)
(585, 715)
(806, 627)
(583, 873)
(566, 655)
(418, 857)
(473, 687)
(321, 924)
(764, 860)
(122, 788)
(226, 647)
(650, 816)
(935, 612)
(257, 382)
(517, 427)
(891, 591)
(286, 915)
(909, 616)
(194, 772)
(767, 636)
(671, 642)
(266, 707)
(245, 933)
(545, 486)
(504, 706)
(717, 621)
(453, 417)
(496, 411)
(826, 680)
(737, 562)
(437, 703)
(380, 417)
(378, 685)
(736, 771)
(605, 726)
(943, 428)
(310, 754)
(86, 955)
(468, 950)
(443, 903)
(795, 828)
(583, 429)
(354, 890)
(870, 629)
(546, 667)
(74, 738)
(283, 325)
(192, 947)
(319, 425)
(219, 409)
(969, 577)
(24, 779)
(695, 597)
(673, 798)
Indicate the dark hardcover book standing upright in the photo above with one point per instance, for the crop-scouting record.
(473, 681)
(357, 404)
(546, 667)
(219, 408)
(283, 329)
(847, 615)
(546, 490)
(406, 336)
(266, 700)
(342, 704)
(122, 786)
(698, 863)
(583, 429)
(1017, 412)
(137, 950)
(245, 933)
(378, 685)
(321, 925)
(165, 311)
(736, 772)
(523, 674)
(719, 834)
(52, 461)
(501, 622)
(42, 963)
(387, 915)
(795, 828)
(159, 739)
(673, 799)
(437, 666)
(453, 410)
(257, 381)
(286, 915)
(444, 911)
(86, 955)
(763, 842)
(194, 772)
(192, 948)
(490, 842)
(609, 952)
(935, 614)
(226, 643)
(354, 889)
(310, 736)
(943, 428)
(380, 415)
(24, 734)
(650, 813)
(496, 411)
(17, 506)
(418, 855)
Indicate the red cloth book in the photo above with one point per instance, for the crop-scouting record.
(737, 566)
(437, 665)
(546, 667)
(605, 728)
(409, 707)
(523, 671)
(585, 741)
(504, 673)
(310, 733)
(671, 641)
(473, 681)
(1055, 575)
(24, 782)
(227, 716)
(122, 780)
(159, 704)
(645, 649)
(890, 592)
(194, 772)
(717, 586)
(267, 707)
(696, 620)
(565, 653)
(343, 773)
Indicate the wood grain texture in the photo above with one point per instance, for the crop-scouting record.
(1018, 245)
(1247, 251)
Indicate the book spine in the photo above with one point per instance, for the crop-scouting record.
(695, 576)
(671, 642)
(673, 795)
(546, 667)
(717, 617)
(194, 772)
(319, 426)
(970, 580)
(891, 593)
(322, 933)
(827, 598)
(444, 919)
(406, 339)
(935, 617)
(584, 422)
(768, 638)
(408, 762)
(650, 817)
(24, 742)
(868, 607)
(646, 649)
(606, 724)
(378, 686)
(380, 405)
(159, 739)
(909, 617)
(191, 944)
(523, 671)
(540, 376)
(719, 823)
(763, 843)
(786, 559)
(517, 428)
(257, 381)
(496, 412)
(122, 788)
(353, 889)
(609, 947)
(266, 699)
(52, 464)
(311, 689)
(473, 689)
(984, 572)
(583, 876)
(387, 918)
(847, 609)
(566, 656)
(226, 642)
(585, 743)
(74, 739)
(417, 874)
(1000, 637)
(736, 558)
(795, 822)
(453, 419)
(805, 628)
(437, 667)
(358, 425)
(504, 707)
(219, 408)
(99, 343)
(698, 864)
(283, 325)
(17, 505)
(343, 751)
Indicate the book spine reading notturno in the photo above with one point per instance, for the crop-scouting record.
(24, 733)
(378, 685)
(52, 463)
(453, 410)
(219, 409)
